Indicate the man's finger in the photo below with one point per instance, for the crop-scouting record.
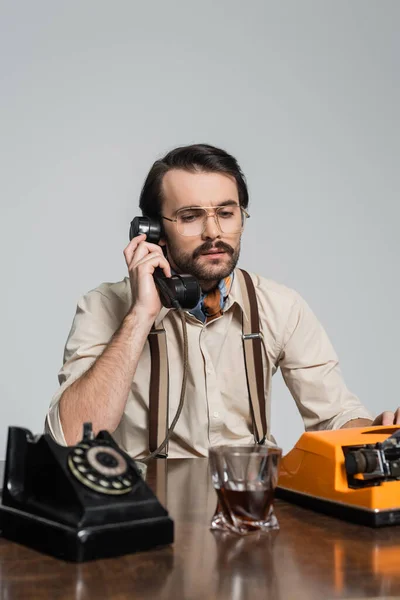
(129, 251)
(387, 417)
(397, 416)
(136, 251)
(156, 260)
(144, 249)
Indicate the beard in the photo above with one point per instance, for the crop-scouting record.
(213, 271)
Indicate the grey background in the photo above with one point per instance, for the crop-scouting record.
(304, 94)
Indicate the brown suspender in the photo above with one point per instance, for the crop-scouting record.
(159, 389)
(252, 347)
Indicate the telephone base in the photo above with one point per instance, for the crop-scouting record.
(88, 543)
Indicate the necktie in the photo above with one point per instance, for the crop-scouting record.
(213, 302)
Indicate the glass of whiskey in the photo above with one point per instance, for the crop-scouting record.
(244, 478)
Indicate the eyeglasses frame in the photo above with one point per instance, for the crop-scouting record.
(213, 214)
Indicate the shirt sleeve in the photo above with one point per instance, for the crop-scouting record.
(95, 322)
(311, 371)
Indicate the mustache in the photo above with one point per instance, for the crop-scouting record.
(207, 246)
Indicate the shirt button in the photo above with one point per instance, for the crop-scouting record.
(216, 414)
(209, 371)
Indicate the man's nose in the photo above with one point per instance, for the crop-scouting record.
(211, 229)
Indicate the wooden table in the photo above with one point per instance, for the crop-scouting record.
(312, 556)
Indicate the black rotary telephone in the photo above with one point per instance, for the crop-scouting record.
(178, 291)
(78, 503)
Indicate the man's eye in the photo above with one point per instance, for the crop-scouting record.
(225, 214)
(190, 217)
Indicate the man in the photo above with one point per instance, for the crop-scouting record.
(200, 196)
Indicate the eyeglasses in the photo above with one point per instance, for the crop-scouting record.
(192, 220)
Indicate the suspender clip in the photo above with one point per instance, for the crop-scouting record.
(252, 336)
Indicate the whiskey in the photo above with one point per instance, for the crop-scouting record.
(245, 506)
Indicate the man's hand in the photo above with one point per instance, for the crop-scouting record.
(387, 418)
(142, 258)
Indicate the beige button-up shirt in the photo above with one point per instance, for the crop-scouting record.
(216, 409)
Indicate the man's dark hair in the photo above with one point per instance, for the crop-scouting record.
(195, 158)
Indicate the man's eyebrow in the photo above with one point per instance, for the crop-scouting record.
(223, 203)
(228, 203)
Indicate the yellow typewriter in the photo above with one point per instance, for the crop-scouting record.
(353, 474)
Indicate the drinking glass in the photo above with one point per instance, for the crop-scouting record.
(244, 478)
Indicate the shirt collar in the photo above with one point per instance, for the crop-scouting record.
(236, 295)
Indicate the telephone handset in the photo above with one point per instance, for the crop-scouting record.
(178, 291)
